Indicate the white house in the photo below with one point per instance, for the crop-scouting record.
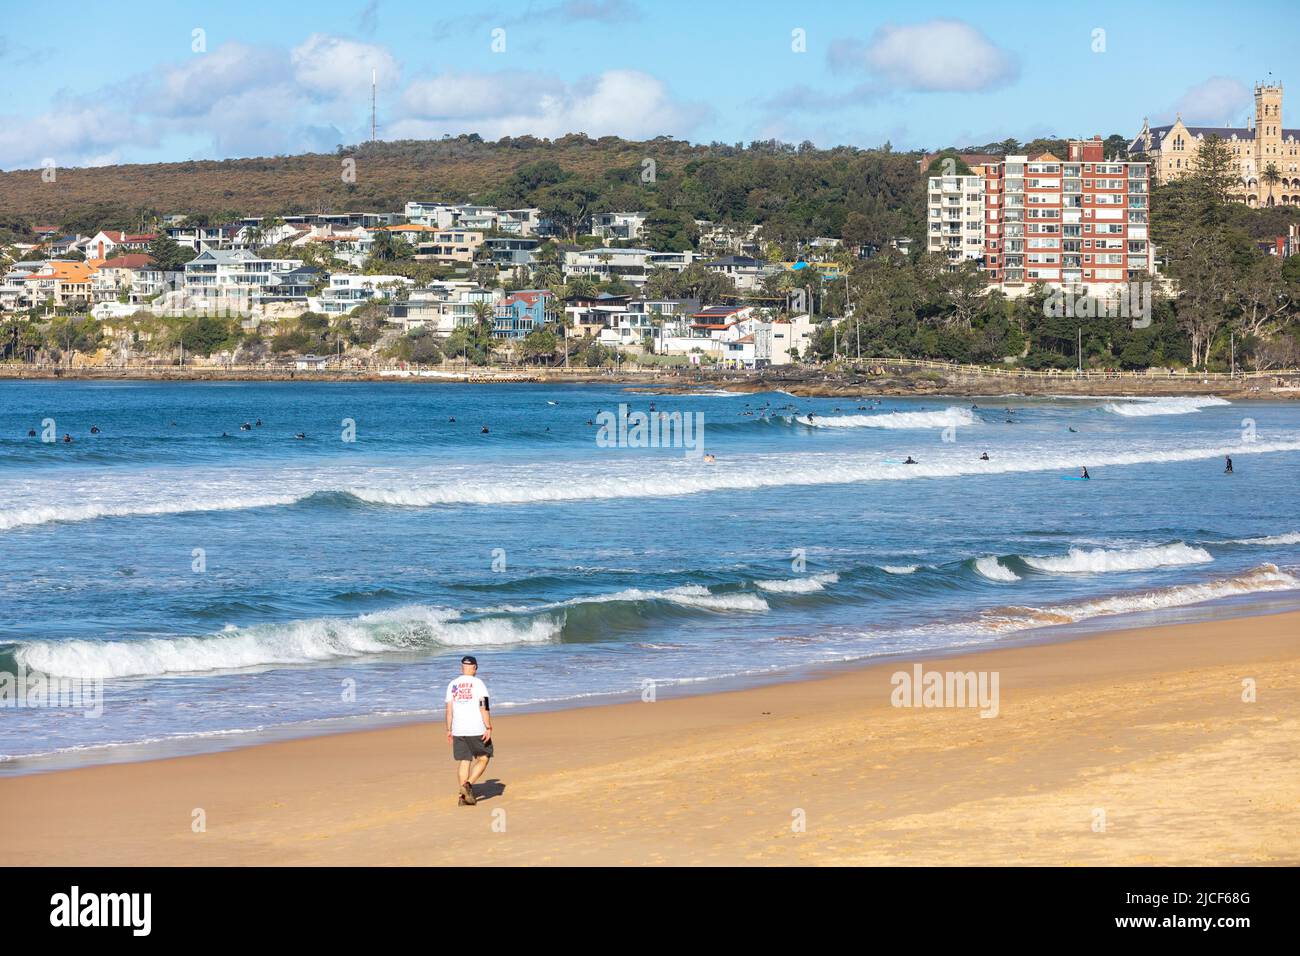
(346, 292)
(234, 274)
(745, 271)
(604, 264)
(791, 338)
(618, 225)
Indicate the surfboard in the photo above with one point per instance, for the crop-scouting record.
(1074, 478)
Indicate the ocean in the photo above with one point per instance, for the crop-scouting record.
(224, 585)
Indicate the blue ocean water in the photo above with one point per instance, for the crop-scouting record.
(227, 583)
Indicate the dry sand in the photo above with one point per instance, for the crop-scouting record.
(1146, 726)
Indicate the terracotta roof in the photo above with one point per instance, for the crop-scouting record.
(133, 260)
(64, 272)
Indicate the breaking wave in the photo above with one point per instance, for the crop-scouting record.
(662, 479)
(993, 569)
(804, 585)
(1266, 577)
(1100, 560)
(947, 418)
(1144, 407)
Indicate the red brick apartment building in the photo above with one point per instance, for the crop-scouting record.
(1077, 222)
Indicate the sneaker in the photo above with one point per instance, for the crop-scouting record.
(467, 794)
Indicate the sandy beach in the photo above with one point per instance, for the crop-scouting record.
(1128, 747)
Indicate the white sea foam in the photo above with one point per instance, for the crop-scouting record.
(900, 568)
(949, 417)
(588, 481)
(1291, 537)
(1266, 577)
(1100, 560)
(1144, 407)
(802, 585)
(43, 514)
(689, 595)
(993, 569)
(295, 642)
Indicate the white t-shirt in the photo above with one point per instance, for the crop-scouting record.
(464, 694)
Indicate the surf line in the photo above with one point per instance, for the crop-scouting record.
(658, 430)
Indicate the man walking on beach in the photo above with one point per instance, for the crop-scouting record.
(469, 727)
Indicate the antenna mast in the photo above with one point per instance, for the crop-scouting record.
(374, 78)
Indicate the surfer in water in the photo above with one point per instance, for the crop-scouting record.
(910, 461)
(984, 457)
(1085, 475)
(1227, 464)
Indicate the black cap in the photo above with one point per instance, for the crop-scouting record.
(469, 659)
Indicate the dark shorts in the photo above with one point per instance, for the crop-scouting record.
(467, 748)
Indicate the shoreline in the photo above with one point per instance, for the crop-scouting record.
(896, 381)
(1146, 723)
(1248, 605)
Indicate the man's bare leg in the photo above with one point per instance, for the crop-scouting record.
(462, 770)
(480, 765)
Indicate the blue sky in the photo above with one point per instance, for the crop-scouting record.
(146, 82)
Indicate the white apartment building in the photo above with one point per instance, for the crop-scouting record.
(956, 218)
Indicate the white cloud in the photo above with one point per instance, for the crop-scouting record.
(936, 56)
(615, 103)
(454, 95)
(72, 134)
(245, 100)
(1219, 101)
(334, 67)
(195, 86)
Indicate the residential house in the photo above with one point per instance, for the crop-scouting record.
(442, 306)
(520, 222)
(791, 338)
(233, 274)
(626, 226)
(450, 246)
(508, 252)
(345, 292)
(522, 312)
(115, 277)
(14, 292)
(289, 288)
(746, 272)
(61, 284)
(605, 264)
(104, 243)
(643, 318)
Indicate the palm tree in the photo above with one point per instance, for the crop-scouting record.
(1271, 177)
